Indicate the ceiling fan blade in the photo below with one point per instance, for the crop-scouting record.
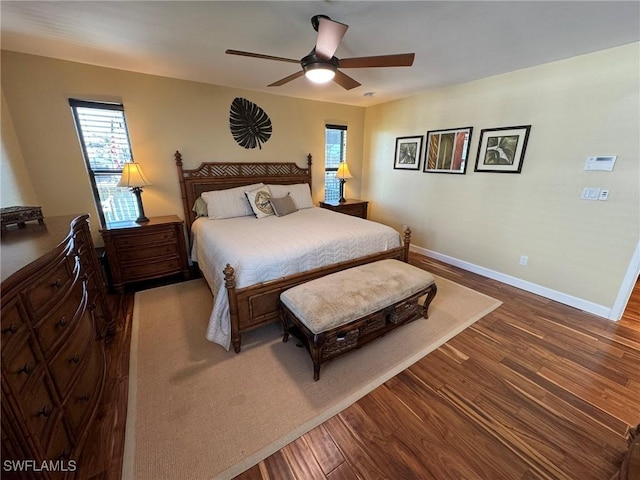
(259, 55)
(399, 60)
(345, 81)
(287, 79)
(330, 34)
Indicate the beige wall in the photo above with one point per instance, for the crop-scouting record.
(15, 187)
(587, 105)
(163, 115)
(583, 106)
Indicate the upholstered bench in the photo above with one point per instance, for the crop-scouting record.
(342, 311)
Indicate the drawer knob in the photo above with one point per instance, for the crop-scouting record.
(65, 454)
(27, 369)
(57, 283)
(45, 411)
(62, 322)
(75, 359)
(13, 328)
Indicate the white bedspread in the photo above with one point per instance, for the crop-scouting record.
(273, 247)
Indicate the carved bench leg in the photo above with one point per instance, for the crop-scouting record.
(431, 294)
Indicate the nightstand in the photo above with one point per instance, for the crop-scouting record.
(144, 251)
(353, 207)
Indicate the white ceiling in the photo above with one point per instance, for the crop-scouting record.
(454, 41)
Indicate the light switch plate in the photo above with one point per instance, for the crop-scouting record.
(590, 193)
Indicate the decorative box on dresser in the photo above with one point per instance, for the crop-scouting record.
(55, 321)
(144, 251)
(352, 206)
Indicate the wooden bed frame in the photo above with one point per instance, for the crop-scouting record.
(256, 305)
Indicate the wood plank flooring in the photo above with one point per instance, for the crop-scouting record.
(534, 390)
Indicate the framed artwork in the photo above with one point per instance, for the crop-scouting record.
(447, 150)
(502, 150)
(408, 151)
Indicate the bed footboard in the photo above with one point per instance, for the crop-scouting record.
(256, 305)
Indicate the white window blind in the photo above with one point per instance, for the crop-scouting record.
(334, 153)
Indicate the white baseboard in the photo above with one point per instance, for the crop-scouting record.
(563, 298)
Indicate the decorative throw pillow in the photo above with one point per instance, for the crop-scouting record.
(300, 193)
(229, 203)
(283, 206)
(200, 208)
(259, 199)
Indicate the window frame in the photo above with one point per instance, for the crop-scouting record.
(91, 172)
(343, 151)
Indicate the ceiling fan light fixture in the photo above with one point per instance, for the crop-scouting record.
(319, 72)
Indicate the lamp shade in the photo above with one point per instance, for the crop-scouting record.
(343, 171)
(133, 176)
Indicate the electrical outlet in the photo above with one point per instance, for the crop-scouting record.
(524, 260)
(604, 195)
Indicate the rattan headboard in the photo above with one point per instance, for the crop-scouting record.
(220, 175)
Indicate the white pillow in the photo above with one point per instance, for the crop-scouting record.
(259, 201)
(229, 203)
(300, 192)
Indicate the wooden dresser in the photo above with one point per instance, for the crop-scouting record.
(55, 322)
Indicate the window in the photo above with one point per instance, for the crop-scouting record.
(335, 152)
(102, 130)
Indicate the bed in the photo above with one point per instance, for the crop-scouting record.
(248, 261)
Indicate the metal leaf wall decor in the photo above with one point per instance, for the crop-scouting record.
(249, 124)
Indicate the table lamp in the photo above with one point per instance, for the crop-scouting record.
(134, 178)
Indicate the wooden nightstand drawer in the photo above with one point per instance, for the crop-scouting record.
(144, 240)
(149, 252)
(150, 270)
(353, 207)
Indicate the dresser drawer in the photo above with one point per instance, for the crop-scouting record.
(61, 319)
(72, 357)
(41, 411)
(60, 446)
(20, 364)
(143, 240)
(151, 269)
(50, 287)
(82, 399)
(13, 325)
(133, 255)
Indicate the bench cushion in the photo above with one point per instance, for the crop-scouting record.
(348, 295)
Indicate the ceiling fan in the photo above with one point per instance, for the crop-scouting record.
(321, 66)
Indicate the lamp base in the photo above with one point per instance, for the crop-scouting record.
(342, 199)
(137, 191)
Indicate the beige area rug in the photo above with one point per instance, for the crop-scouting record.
(197, 411)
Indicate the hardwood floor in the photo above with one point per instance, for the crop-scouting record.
(534, 390)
